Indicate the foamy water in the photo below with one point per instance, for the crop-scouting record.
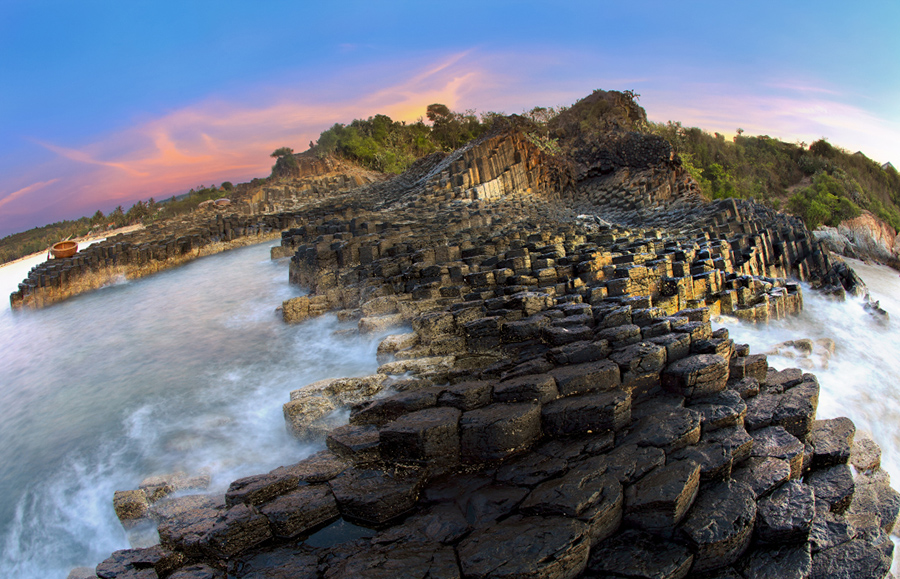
(182, 371)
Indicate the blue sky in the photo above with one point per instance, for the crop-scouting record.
(104, 103)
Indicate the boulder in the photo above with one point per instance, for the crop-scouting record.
(383, 410)
(865, 454)
(132, 507)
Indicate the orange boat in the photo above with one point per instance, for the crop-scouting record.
(64, 249)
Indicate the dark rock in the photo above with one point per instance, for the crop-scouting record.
(279, 563)
(720, 525)
(854, 559)
(829, 530)
(715, 460)
(763, 474)
(784, 379)
(239, 529)
(785, 562)
(746, 387)
(833, 487)
(467, 395)
(735, 440)
(442, 523)
(381, 411)
(677, 345)
(499, 430)
(198, 572)
(639, 555)
(639, 359)
(320, 467)
(668, 430)
(658, 502)
(537, 387)
(786, 515)
(754, 366)
(375, 497)
(796, 410)
(519, 547)
(531, 469)
(587, 414)
(721, 410)
(557, 336)
(776, 442)
(491, 502)
(875, 496)
(620, 336)
(183, 521)
(761, 410)
(414, 560)
(629, 462)
(301, 510)
(588, 377)
(430, 435)
(579, 352)
(146, 563)
(832, 441)
(696, 376)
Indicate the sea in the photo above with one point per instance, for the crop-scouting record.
(187, 371)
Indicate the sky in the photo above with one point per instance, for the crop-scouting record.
(105, 103)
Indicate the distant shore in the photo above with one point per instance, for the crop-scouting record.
(90, 237)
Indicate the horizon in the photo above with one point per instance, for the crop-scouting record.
(120, 103)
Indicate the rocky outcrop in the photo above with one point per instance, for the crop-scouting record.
(865, 237)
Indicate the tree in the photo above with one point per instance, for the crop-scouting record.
(282, 152)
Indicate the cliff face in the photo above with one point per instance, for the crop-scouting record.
(865, 237)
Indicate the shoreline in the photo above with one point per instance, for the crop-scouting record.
(86, 238)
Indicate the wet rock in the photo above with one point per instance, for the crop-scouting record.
(491, 502)
(784, 562)
(588, 377)
(414, 560)
(147, 563)
(381, 411)
(547, 547)
(558, 336)
(320, 467)
(201, 571)
(579, 352)
(832, 441)
(746, 387)
(639, 555)
(829, 530)
(534, 387)
(763, 474)
(761, 410)
(720, 525)
(796, 410)
(240, 528)
(786, 515)
(301, 510)
(498, 431)
(443, 523)
(82, 573)
(279, 563)
(865, 454)
(427, 436)
(358, 443)
(658, 502)
(157, 487)
(776, 442)
(587, 414)
(721, 410)
(375, 497)
(833, 486)
(531, 469)
(629, 462)
(183, 521)
(467, 395)
(583, 493)
(132, 507)
(668, 430)
(620, 336)
(872, 495)
(696, 376)
(258, 489)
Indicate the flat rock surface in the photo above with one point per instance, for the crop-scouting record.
(786, 515)
(659, 501)
(640, 555)
(373, 496)
(720, 524)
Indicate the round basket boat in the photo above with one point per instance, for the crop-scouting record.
(64, 249)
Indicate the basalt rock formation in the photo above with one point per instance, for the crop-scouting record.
(555, 402)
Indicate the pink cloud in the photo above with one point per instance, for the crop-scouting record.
(25, 191)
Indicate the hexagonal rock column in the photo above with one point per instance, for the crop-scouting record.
(588, 413)
(430, 435)
(784, 562)
(786, 515)
(634, 553)
(539, 387)
(522, 547)
(833, 487)
(832, 441)
(696, 376)
(301, 510)
(659, 501)
(498, 431)
(373, 496)
(776, 442)
(720, 524)
(415, 559)
(588, 377)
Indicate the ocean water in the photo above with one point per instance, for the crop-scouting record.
(182, 371)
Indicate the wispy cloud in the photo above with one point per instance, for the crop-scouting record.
(25, 191)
